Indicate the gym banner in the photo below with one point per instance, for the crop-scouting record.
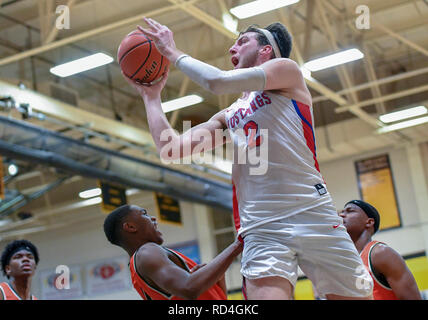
(168, 209)
(376, 186)
(61, 284)
(113, 196)
(107, 276)
(189, 248)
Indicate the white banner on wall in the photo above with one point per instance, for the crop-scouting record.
(107, 276)
(61, 285)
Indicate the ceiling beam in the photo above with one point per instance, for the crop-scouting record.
(387, 97)
(371, 75)
(88, 34)
(400, 38)
(342, 71)
(378, 82)
(204, 17)
(310, 5)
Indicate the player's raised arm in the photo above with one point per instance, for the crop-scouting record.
(170, 145)
(267, 74)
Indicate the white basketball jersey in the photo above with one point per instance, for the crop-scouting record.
(287, 180)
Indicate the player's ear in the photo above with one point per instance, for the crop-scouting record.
(267, 49)
(7, 269)
(129, 227)
(370, 223)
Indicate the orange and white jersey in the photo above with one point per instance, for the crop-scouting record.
(9, 293)
(287, 180)
(381, 288)
(148, 292)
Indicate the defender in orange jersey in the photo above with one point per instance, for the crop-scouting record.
(18, 261)
(392, 279)
(159, 273)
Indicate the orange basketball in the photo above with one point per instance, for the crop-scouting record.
(139, 58)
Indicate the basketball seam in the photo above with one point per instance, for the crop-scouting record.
(147, 58)
(129, 50)
(160, 68)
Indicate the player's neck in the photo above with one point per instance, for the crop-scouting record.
(22, 286)
(362, 240)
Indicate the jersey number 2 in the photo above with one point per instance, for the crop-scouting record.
(251, 130)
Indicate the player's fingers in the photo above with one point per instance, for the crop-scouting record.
(154, 23)
(147, 32)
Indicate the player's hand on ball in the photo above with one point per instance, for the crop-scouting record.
(148, 90)
(162, 37)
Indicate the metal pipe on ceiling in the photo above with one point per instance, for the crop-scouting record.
(73, 156)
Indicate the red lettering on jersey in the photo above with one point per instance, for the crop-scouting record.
(259, 101)
(253, 106)
(240, 110)
(267, 99)
(236, 118)
(247, 112)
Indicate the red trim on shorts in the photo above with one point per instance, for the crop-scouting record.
(244, 289)
(236, 217)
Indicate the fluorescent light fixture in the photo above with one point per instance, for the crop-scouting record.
(90, 193)
(334, 60)
(403, 114)
(91, 202)
(230, 23)
(82, 64)
(260, 6)
(12, 169)
(403, 124)
(181, 102)
(306, 73)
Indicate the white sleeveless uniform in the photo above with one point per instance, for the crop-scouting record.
(286, 215)
(290, 183)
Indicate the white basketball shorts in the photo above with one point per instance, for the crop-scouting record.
(318, 243)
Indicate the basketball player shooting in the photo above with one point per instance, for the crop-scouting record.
(285, 217)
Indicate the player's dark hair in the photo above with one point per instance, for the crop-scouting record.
(113, 224)
(14, 247)
(280, 34)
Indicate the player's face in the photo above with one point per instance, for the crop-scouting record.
(22, 263)
(354, 218)
(147, 224)
(245, 51)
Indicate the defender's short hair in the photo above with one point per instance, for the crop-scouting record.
(14, 247)
(113, 224)
(279, 32)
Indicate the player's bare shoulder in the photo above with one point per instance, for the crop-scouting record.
(383, 255)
